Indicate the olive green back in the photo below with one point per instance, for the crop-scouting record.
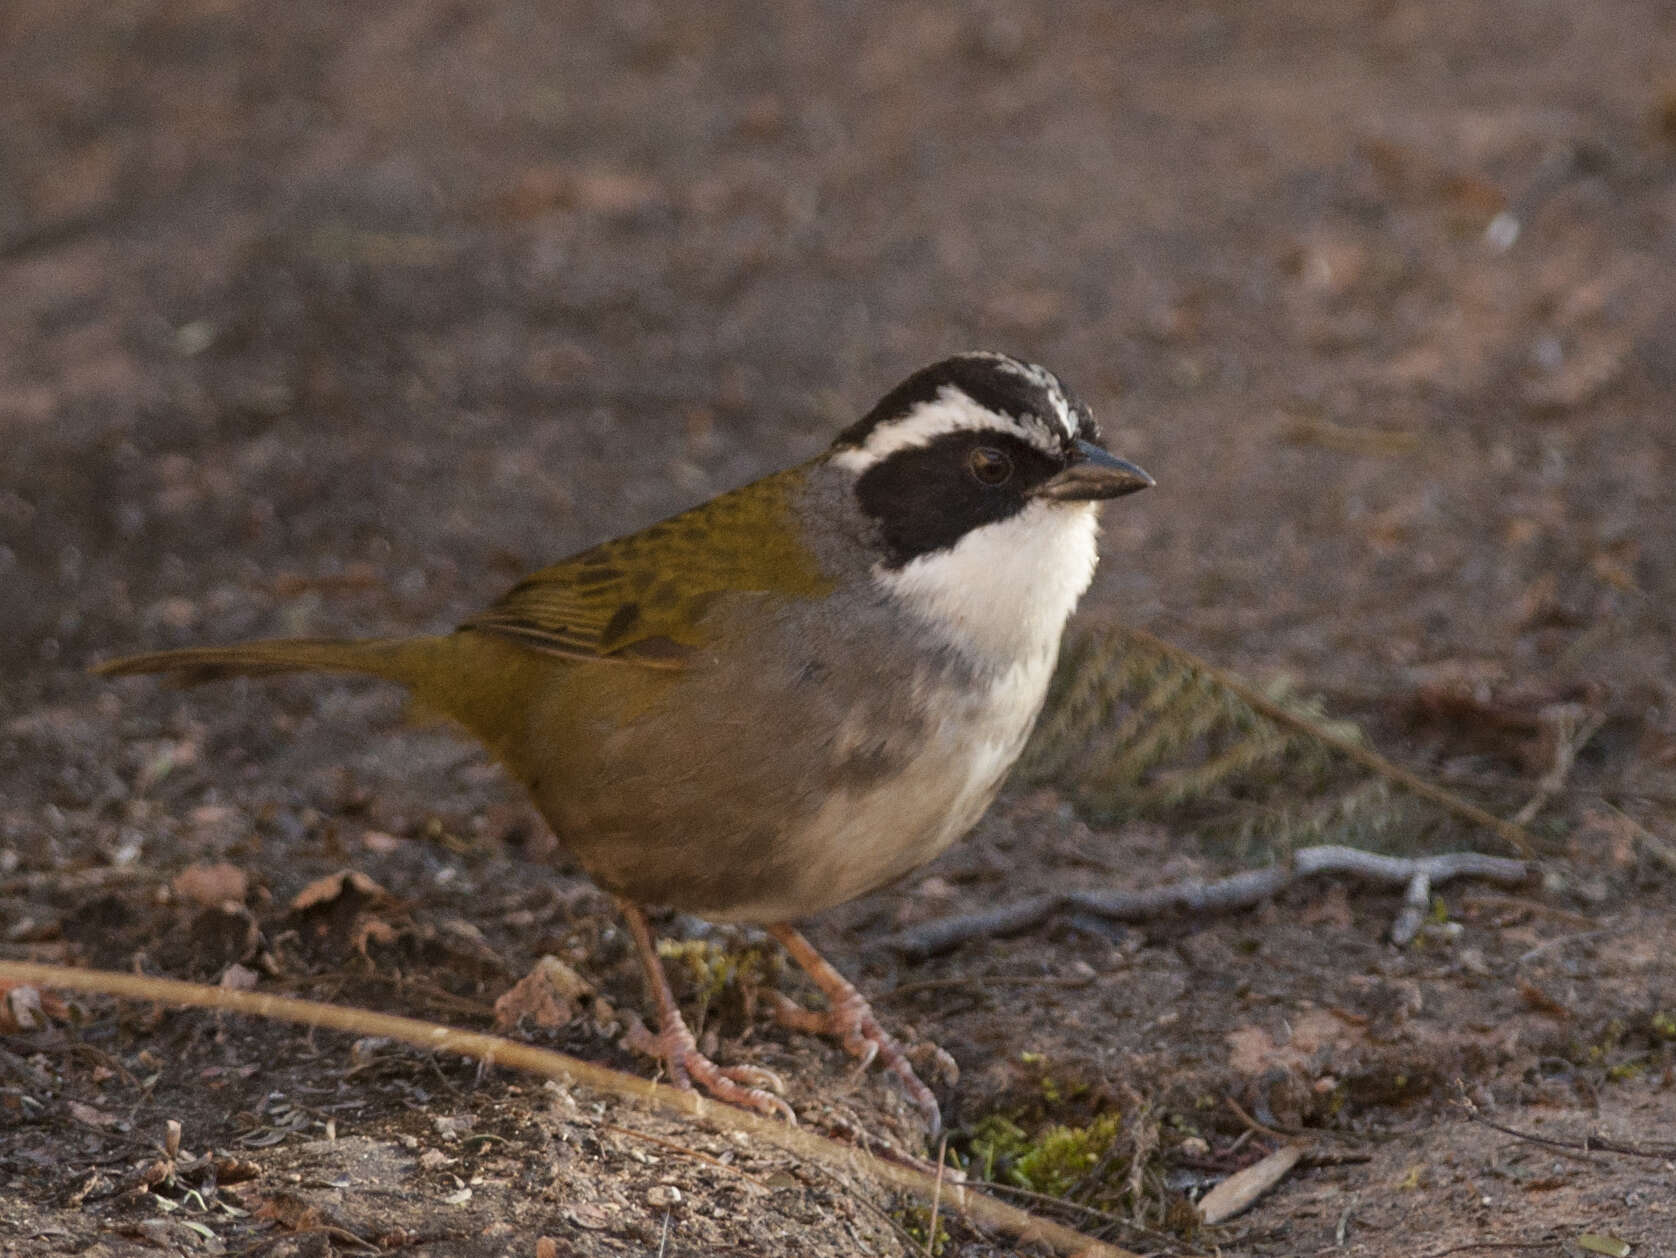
(641, 597)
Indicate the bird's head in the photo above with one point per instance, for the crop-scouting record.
(981, 475)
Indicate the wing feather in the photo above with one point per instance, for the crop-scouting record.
(640, 598)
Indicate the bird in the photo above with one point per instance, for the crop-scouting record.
(785, 697)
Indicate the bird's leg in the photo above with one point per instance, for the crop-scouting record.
(849, 1017)
(746, 1086)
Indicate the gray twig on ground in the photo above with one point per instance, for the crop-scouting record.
(1242, 890)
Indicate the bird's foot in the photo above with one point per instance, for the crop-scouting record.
(851, 1022)
(749, 1087)
(849, 1018)
(745, 1086)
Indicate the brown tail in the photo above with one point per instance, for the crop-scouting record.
(390, 658)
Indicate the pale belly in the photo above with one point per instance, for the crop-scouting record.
(858, 840)
(858, 843)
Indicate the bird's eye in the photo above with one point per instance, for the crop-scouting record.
(989, 465)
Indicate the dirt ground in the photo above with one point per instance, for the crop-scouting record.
(322, 318)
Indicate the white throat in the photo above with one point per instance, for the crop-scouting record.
(1003, 593)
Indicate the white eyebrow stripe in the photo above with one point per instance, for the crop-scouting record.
(952, 411)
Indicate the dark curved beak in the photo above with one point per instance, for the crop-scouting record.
(1094, 474)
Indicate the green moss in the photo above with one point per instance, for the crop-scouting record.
(1112, 1162)
(1664, 1025)
(713, 969)
(995, 1142)
(1053, 1161)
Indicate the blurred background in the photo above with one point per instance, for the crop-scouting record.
(435, 292)
(324, 318)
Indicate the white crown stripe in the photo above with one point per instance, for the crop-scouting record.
(954, 411)
(1044, 380)
(1049, 384)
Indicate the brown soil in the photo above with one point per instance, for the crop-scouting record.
(327, 318)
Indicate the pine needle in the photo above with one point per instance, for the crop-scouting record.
(1134, 725)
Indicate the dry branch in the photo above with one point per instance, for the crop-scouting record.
(1242, 890)
(1588, 1144)
(955, 1197)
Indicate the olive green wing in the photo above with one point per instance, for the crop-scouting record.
(639, 598)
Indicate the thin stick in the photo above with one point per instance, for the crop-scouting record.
(1242, 890)
(1566, 746)
(1253, 1125)
(1588, 1144)
(936, 1198)
(493, 1050)
(944, 933)
(1416, 902)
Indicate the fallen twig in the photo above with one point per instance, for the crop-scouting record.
(1252, 1125)
(931, 1245)
(1588, 1144)
(1415, 902)
(1334, 1157)
(956, 1197)
(1573, 726)
(1242, 890)
(1138, 1232)
(944, 933)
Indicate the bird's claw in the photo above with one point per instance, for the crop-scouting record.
(750, 1087)
(850, 1020)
